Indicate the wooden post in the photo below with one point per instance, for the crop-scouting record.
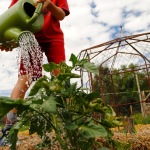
(139, 91)
(128, 125)
(131, 110)
(143, 103)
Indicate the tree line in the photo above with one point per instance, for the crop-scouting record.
(119, 87)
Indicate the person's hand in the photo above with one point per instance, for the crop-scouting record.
(46, 4)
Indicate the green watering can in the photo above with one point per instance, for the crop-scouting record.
(22, 17)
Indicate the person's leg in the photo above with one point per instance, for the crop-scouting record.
(55, 52)
(19, 91)
(22, 85)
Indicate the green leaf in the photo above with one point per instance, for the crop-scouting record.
(7, 103)
(49, 105)
(107, 123)
(13, 138)
(80, 121)
(72, 89)
(64, 76)
(40, 125)
(70, 126)
(73, 59)
(35, 107)
(109, 112)
(50, 67)
(117, 123)
(13, 134)
(93, 131)
(40, 83)
(92, 95)
(81, 62)
(35, 101)
(91, 67)
(27, 103)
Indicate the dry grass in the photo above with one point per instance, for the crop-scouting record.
(140, 140)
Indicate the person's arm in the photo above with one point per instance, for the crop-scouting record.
(55, 10)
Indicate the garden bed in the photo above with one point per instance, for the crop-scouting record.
(139, 140)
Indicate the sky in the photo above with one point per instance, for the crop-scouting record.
(91, 22)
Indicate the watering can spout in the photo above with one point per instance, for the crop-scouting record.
(11, 38)
(22, 16)
(12, 33)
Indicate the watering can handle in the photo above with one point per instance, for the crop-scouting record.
(36, 13)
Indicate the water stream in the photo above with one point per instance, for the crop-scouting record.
(30, 53)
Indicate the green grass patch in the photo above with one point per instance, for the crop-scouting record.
(139, 119)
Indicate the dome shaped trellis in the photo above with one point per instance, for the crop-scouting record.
(121, 56)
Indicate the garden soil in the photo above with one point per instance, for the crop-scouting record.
(140, 140)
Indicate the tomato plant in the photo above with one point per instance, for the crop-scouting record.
(56, 104)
